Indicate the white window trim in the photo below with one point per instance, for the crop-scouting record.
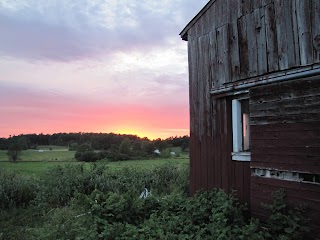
(238, 154)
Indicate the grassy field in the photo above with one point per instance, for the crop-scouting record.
(36, 169)
(35, 162)
(43, 153)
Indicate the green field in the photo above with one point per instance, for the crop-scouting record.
(35, 162)
(43, 153)
(38, 168)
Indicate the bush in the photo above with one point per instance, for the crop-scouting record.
(16, 190)
(60, 183)
(285, 223)
(207, 215)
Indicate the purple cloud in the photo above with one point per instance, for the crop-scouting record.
(71, 31)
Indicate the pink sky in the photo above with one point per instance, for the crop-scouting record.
(95, 66)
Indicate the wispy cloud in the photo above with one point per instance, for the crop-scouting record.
(66, 30)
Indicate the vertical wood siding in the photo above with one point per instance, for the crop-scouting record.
(256, 37)
(234, 41)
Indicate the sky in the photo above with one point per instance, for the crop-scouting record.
(94, 66)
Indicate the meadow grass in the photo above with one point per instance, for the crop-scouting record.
(36, 169)
(42, 155)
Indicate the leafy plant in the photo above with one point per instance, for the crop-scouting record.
(285, 223)
(16, 190)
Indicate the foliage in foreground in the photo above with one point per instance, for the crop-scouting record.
(73, 202)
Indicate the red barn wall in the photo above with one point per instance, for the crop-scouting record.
(285, 135)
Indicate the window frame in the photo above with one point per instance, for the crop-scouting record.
(238, 154)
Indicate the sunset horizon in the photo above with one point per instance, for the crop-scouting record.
(103, 66)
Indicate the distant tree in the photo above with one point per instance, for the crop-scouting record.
(86, 153)
(136, 147)
(14, 151)
(73, 146)
(23, 142)
(125, 146)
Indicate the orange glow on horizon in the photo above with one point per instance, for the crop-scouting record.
(132, 131)
(151, 134)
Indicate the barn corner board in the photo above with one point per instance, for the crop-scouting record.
(254, 76)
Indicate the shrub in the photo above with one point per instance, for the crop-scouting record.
(285, 223)
(207, 215)
(16, 190)
(14, 152)
(61, 183)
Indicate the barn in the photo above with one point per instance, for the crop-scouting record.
(254, 82)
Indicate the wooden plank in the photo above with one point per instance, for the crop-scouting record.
(293, 142)
(222, 55)
(289, 86)
(206, 22)
(234, 10)
(210, 170)
(282, 111)
(312, 126)
(271, 182)
(272, 51)
(194, 114)
(224, 154)
(238, 169)
(207, 86)
(306, 134)
(295, 33)
(303, 9)
(246, 6)
(270, 96)
(213, 59)
(246, 182)
(201, 173)
(217, 152)
(201, 69)
(292, 51)
(266, 2)
(252, 44)
(288, 119)
(243, 47)
(280, 16)
(295, 160)
(199, 27)
(256, 4)
(316, 30)
(198, 163)
(193, 166)
(297, 102)
(231, 165)
(204, 164)
(193, 87)
(291, 151)
(234, 60)
(259, 20)
(221, 12)
(212, 164)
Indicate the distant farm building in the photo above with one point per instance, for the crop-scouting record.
(254, 76)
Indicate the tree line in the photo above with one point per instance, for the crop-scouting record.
(95, 146)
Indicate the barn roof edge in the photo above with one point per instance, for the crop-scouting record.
(184, 32)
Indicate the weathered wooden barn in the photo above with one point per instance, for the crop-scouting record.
(254, 77)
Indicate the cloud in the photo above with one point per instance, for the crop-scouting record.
(69, 30)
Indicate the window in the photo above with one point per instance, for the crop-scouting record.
(241, 129)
